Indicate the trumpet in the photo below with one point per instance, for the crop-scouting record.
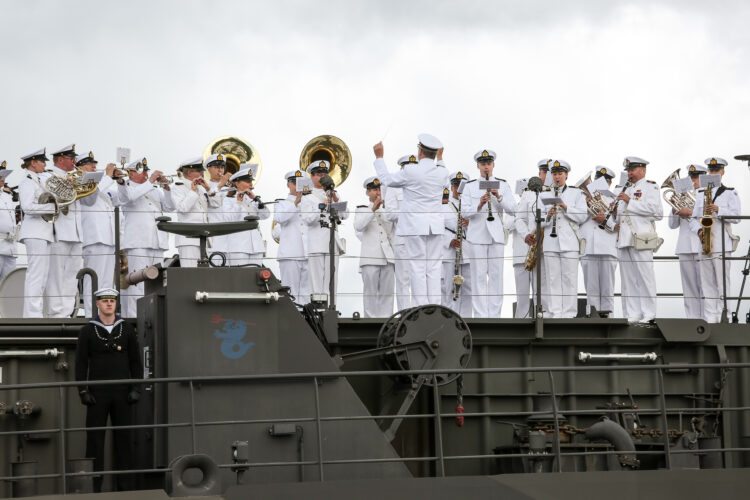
(166, 180)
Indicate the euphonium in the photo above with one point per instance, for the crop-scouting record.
(595, 203)
(707, 222)
(674, 200)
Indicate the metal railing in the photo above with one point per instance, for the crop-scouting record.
(439, 458)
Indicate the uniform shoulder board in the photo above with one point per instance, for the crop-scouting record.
(501, 180)
(728, 188)
(651, 182)
(469, 182)
(179, 183)
(361, 206)
(28, 176)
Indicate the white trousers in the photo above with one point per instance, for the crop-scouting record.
(523, 290)
(562, 279)
(244, 259)
(65, 262)
(37, 273)
(713, 286)
(7, 264)
(189, 255)
(463, 305)
(638, 284)
(138, 258)
(599, 281)
(403, 291)
(486, 264)
(294, 275)
(425, 268)
(319, 269)
(692, 291)
(545, 284)
(377, 290)
(100, 258)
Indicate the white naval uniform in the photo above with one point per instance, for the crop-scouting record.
(599, 263)
(245, 247)
(216, 214)
(487, 239)
(525, 224)
(561, 254)
(688, 250)
(318, 266)
(38, 236)
(375, 232)
(143, 243)
(637, 276)
(65, 259)
(420, 223)
(192, 206)
(394, 199)
(520, 249)
(712, 284)
(98, 222)
(463, 305)
(292, 253)
(7, 234)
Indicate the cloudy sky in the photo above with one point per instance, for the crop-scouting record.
(586, 81)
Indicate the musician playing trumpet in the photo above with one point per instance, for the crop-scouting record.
(724, 202)
(192, 197)
(561, 252)
(486, 235)
(599, 259)
(245, 247)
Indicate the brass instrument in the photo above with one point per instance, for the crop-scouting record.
(594, 202)
(613, 208)
(458, 280)
(334, 151)
(707, 222)
(553, 233)
(166, 180)
(530, 263)
(237, 151)
(490, 217)
(674, 200)
(63, 192)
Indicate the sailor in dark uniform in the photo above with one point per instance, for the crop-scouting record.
(108, 349)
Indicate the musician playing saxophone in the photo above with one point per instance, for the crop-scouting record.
(599, 259)
(487, 236)
(451, 244)
(561, 254)
(639, 206)
(688, 250)
(725, 202)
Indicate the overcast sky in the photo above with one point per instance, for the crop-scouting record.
(588, 81)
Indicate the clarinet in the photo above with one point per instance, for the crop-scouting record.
(458, 280)
(553, 233)
(613, 208)
(490, 218)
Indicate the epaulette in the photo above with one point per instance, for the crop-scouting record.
(361, 206)
(179, 183)
(28, 176)
(503, 180)
(469, 182)
(651, 182)
(728, 188)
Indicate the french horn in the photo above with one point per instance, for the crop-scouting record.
(64, 191)
(237, 151)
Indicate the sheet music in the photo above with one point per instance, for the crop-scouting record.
(521, 185)
(683, 185)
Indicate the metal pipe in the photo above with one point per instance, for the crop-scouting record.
(39, 353)
(583, 357)
(203, 297)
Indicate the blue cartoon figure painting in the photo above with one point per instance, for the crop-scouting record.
(232, 332)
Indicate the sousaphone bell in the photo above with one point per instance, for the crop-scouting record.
(334, 151)
(237, 151)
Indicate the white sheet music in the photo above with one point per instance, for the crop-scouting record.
(682, 185)
(712, 180)
(521, 184)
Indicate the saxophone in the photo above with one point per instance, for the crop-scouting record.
(707, 221)
(530, 263)
(458, 280)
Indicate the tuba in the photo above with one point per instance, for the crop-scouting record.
(63, 192)
(674, 200)
(237, 151)
(334, 151)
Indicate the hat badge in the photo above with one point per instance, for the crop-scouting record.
(91, 155)
(713, 161)
(459, 175)
(3, 164)
(412, 158)
(692, 168)
(73, 148)
(144, 161)
(603, 171)
(485, 154)
(376, 182)
(220, 158)
(627, 163)
(298, 174)
(556, 164)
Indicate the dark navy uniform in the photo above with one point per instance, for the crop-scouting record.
(102, 355)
